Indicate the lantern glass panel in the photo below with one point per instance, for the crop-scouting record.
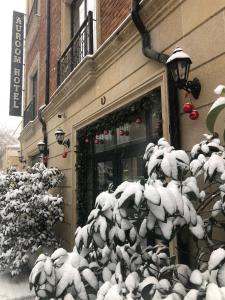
(60, 137)
(174, 71)
(183, 67)
(41, 147)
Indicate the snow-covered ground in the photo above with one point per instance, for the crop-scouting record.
(15, 288)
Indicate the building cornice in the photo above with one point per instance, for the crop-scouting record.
(29, 130)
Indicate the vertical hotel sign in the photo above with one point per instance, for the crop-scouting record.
(16, 79)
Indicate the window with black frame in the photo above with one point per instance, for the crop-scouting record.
(115, 146)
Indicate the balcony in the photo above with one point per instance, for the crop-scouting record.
(80, 46)
(29, 112)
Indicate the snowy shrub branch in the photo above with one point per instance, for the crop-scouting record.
(27, 214)
(112, 258)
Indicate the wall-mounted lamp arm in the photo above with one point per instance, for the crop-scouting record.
(146, 40)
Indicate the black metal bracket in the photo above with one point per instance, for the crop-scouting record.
(66, 143)
(193, 87)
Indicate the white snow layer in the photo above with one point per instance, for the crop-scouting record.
(14, 288)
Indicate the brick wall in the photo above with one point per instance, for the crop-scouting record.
(112, 13)
(39, 46)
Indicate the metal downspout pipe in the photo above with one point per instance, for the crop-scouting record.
(174, 127)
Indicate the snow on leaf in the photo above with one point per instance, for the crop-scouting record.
(151, 194)
(196, 277)
(62, 285)
(121, 234)
(106, 274)
(147, 281)
(132, 281)
(214, 164)
(143, 228)
(165, 284)
(157, 211)
(104, 289)
(217, 207)
(154, 161)
(90, 277)
(179, 289)
(48, 266)
(220, 89)
(167, 200)
(166, 228)
(166, 166)
(114, 293)
(131, 189)
(59, 252)
(216, 258)
(68, 297)
(198, 230)
(213, 292)
(82, 294)
(77, 280)
(191, 295)
(173, 188)
(103, 227)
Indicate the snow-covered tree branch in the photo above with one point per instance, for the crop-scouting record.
(27, 214)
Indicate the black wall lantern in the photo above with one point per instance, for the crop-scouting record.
(41, 147)
(21, 157)
(59, 135)
(179, 65)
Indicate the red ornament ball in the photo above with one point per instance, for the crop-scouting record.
(194, 115)
(97, 141)
(86, 140)
(138, 120)
(106, 132)
(188, 107)
(122, 132)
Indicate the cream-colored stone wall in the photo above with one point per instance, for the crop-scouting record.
(10, 159)
(120, 72)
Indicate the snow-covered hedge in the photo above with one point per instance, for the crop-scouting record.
(111, 259)
(27, 214)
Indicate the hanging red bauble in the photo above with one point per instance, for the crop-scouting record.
(122, 132)
(138, 120)
(188, 107)
(127, 133)
(106, 131)
(194, 115)
(97, 141)
(86, 140)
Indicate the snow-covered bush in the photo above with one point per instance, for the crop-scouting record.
(27, 214)
(112, 260)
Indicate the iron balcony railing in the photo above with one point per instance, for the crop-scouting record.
(33, 12)
(80, 45)
(29, 112)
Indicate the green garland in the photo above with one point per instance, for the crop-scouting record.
(86, 136)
